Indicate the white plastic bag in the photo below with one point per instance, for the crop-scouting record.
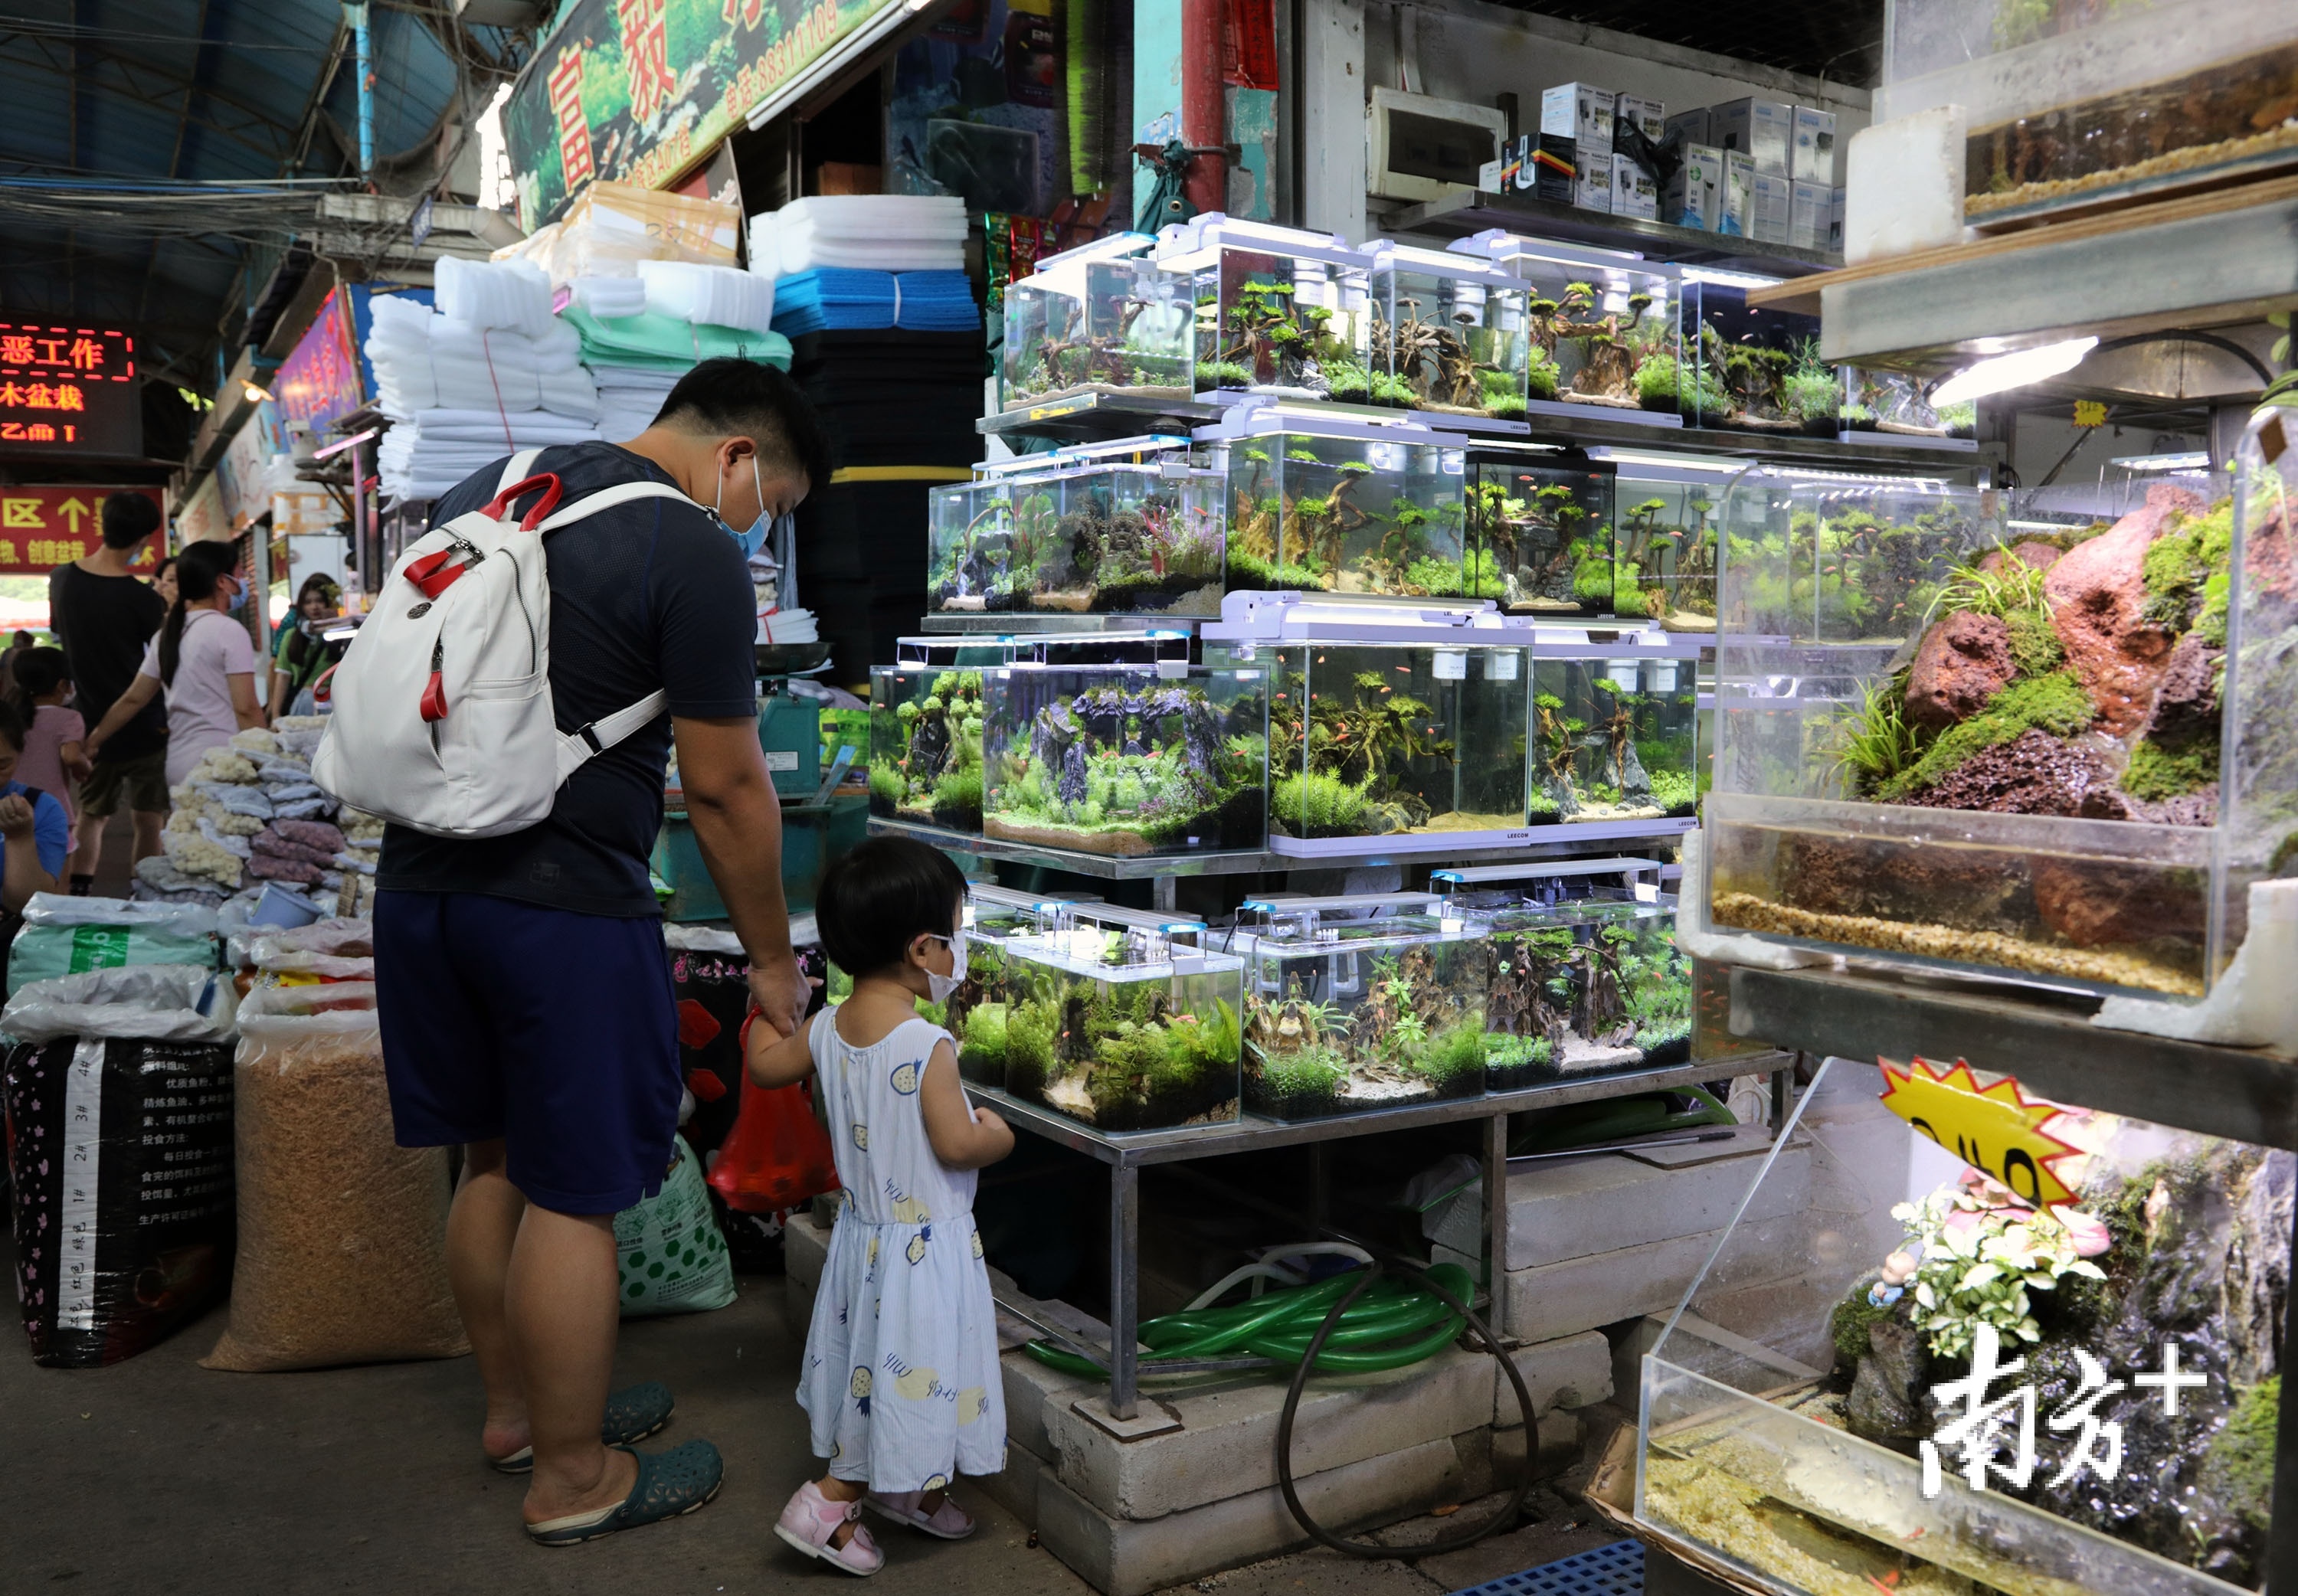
(174, 1003)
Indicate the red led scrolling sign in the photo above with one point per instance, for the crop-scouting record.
(57, 387)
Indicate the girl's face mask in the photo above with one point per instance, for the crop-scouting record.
(939, 987)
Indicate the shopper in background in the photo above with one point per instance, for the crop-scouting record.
(303, 655)
(163, 580)
(521, 981)
(104, 619)
(53, 758)
(201, 659)
(34, 835)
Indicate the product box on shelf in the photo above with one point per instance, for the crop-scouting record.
(1770, 208)
(1450, 333)
(1802, 1417)
(1633, 193)
(1646, 116)
(1691, 126)
(1100, 318)
(928, 713)
(1808, 204)
(1579, 111)
(2069, 105)
(2061, 756)
(1763, 131)
(1751, 369)
(1592, 189)
(1539, 531)
(1604, 326)
(1586, 979)
(1322, 503)
(1130, 527)
(1345, 1015)
(1127, 761)
(1694, 196)
(1736, 202)
(1118, 1019)
(1278, 313)
(1813, 158)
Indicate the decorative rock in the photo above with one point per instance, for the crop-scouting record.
(2035, 556)
(2097, 596)
(2035, 774)
(2095, 904)
(1882, 1405)
(1962, 662)
(2187, 704)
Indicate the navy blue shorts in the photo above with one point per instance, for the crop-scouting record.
(554, 1030)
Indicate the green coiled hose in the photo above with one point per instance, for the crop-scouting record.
(1392, 1324)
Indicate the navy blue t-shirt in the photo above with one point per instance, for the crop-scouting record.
(646, 596)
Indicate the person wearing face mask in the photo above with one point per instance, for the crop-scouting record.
(202, 660)
(303, 655)
(521, 981)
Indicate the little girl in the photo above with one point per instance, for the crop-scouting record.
(901, 1375)
(53, 760)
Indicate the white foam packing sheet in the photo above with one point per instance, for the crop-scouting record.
(709, 295)
(871, 232)
(502, 294)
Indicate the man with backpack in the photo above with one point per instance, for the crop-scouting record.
(523, 991)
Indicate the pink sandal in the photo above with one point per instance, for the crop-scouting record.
(949, 1521)
(812, 1518)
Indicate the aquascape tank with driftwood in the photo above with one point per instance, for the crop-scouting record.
(2066, 755)
(1101, 318)
(1403, 721)
(1895, 402)
(2058, 1373)
(1278, 313)
(1604, 326)
(1614, 732)
(1129, 762)
(1586, 980)
(1664, 552)
(1325, 505)
(1539, 531)
(1451, 331)
(1347, 1016)
(2070, 104)
(1750, 367)
(994, 916)
(1118, 1020)
(1126, 528)
(929, 714)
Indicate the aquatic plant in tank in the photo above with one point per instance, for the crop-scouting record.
(925, 749)
(1540, 536)
(1583, 987)
(1380, 1018)
(1351, 513)
(1613, 739)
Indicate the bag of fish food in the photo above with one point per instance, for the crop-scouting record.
(63, 935)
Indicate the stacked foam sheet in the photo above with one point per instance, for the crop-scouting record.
(637, 359)
(491, 374)
(834, 298)
(872, 232)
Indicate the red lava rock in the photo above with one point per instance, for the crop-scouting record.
(2097, 595)
(2093, 904)
(2034, 773)
(2270, 561)
(2039, 557)
(2187, 704)
(1962, 662)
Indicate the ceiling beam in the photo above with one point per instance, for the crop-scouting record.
(125, 88)
(104, 54)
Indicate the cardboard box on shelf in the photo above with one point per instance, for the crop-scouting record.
(1813, 157)
(1550, 169)
(1761, 129)
(1808, 204)
(1633, 192)
(1649, 116)
(1692, 126)
(1582, 112)
(1694, 195)
(1735, 208)
(1593, 191)
(1770, 208)
(1835, 221)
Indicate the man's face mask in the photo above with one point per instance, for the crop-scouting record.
(755, 539)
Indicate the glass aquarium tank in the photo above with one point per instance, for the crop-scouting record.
(2057, 753)
(1806, 1418)
(1895, 403)
(1604, 326)
(993, 917)
(928, 713)
(1100, 318)
(1131, 527)
(1352, 1015)
(2070, 105)
(1615, 734)
(1667, 554)
(1118, 1019)
(1129, 762)
(1323, 504)
(1751, 369)
(1399, 721)
(1451, 331)
(1539, 531)
(1586, 980)
(1277, 312)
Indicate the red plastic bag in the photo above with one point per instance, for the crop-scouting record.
(777, 1155)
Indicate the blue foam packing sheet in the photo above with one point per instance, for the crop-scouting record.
(833, 298)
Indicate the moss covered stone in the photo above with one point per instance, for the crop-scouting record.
(1853, 1316)
(2157, 772)
(2240, 1468)
(2054, 703)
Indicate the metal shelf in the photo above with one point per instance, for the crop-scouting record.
(1464, 211)
(1093, 417)
(2047, 1040)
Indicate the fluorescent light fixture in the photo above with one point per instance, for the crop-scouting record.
(2198, 460)
(2046, 526)
(1999, 373)
(1728, 279)
(1676, 462)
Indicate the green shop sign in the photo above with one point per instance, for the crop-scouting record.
(639, 90)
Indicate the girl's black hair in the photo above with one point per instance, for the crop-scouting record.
(879, 896)
(300, 643)
(11, 726)
(35, 671)
(198, 569)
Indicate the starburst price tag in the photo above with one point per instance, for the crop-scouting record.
(1996, 1129)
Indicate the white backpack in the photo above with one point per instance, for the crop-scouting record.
(443, 716)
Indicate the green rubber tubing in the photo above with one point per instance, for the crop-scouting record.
(1392, 1325)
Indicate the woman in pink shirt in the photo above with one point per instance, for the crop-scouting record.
(53, 760)
(202, 658)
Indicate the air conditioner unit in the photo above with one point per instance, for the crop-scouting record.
(1417, 147)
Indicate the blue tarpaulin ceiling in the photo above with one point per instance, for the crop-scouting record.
(114, 108)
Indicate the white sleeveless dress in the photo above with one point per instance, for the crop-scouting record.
(901, 1377)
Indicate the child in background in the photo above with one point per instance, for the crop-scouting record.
(53, 760)
(901, 1377)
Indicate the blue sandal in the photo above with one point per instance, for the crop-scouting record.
(631, 1416)
(670, 1485)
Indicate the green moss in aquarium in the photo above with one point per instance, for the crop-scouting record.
(2056, 703)
(1852, 1319)
(2239, 1469)
(1591, 580)
(1030, 1027)
(1673, 790)
(1445, 1058)
(1314, 805)
(1304, 1082)
(2157, 771)
(887, 785)
(1505, 1053)
(1128, 770)
(985, 1035)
